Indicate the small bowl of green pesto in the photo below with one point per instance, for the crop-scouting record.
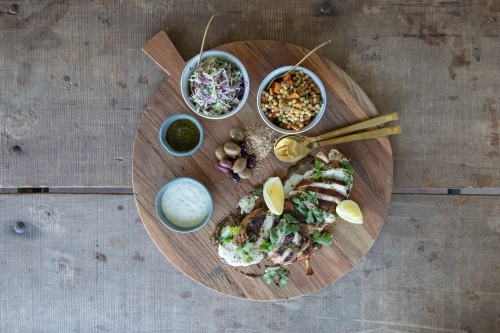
(181, 134)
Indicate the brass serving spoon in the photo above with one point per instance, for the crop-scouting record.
(203, 41)
(306, 56)
(290, 150)
(341, 131)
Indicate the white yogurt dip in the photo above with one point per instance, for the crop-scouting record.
(185, 203)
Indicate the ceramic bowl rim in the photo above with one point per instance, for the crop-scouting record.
(186, 73)
(163, 218)
(282, 70)
(163, 131)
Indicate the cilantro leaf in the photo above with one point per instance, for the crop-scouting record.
(273, 235)
(290, 218)
(244, 251)
(277, 275)
(248, 246)
(281, 227)
(322, 238)
(266, 247)
(317, 170)
(292, 228)
(306, 203)
(347, 166)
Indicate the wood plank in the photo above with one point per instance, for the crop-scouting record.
(74, 81)
(86, 264)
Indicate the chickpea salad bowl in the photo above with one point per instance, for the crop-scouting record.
(294, 103)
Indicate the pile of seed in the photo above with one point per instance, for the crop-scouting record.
(259, 141)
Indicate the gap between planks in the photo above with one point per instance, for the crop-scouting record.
(130, 191)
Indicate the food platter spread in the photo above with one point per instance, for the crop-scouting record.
(193, 253)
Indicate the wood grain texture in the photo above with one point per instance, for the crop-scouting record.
(434, 63)
(86, 264)
(193, 253)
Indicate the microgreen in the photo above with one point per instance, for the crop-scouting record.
(277, 275)
(322, 238)
(306, 204)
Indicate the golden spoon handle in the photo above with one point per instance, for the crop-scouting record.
(307, 55)
(203, 41)
(361, 136)
(356, 127)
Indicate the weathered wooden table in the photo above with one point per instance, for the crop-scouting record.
(75, 84)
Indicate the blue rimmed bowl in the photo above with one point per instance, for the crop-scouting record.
(184, 205)
(163, 134)
(189, 70)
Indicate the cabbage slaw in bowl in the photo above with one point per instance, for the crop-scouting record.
(217, 88)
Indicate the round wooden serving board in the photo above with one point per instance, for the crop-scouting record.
(193, 253)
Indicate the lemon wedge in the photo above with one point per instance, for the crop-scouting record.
(349, 211)
(274, 195)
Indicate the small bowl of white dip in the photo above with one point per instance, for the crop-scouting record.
(184, 205)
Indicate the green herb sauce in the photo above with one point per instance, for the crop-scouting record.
(183, 135)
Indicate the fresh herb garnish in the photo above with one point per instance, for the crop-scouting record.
(286, 226)
(290, 218)
(317, 169)
(348, 172)
(322, 238)
(244, 252)
(228, 233)
(277, 275)
(306, 204)
(266, 247)
(347, 165)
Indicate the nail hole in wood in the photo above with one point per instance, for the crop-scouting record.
(19, 227)
(326, 7)
(13, 9)
(16, 150)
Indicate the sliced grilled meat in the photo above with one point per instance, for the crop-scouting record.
(332, 187)
(251, 225)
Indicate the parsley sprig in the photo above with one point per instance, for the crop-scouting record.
(277, 275)
(306, 204)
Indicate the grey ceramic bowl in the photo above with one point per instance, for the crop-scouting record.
(278, 72)
(178, 182)
(163, 133)
(188, 71)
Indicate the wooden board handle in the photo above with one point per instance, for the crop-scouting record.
(161, 49)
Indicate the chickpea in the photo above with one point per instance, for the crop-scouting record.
(292, 112)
